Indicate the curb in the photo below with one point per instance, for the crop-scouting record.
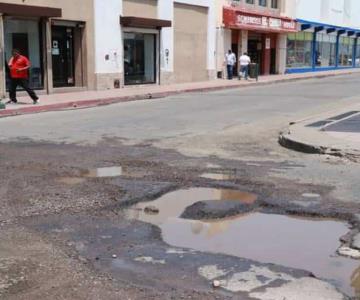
(81, 104)
(298, 146)
(285, 141)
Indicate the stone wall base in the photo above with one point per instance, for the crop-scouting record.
(167, 78)
(212, 74)
(108, 81)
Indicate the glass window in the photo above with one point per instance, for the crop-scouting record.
(250, 1)
(262, 2)
(357, 57)
(346, 45)
(299, 50)
(25, 35)
(325, 55)
(274, 4)
(140, 58)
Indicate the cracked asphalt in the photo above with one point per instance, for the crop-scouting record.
(65, 235)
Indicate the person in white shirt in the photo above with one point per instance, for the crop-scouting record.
(230, 60)
(244, 65)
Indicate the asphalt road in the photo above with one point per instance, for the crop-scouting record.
(60, 226)
(189, 114)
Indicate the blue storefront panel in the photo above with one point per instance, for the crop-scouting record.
(322, 47)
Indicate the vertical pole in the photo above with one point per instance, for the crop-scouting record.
(48, 57)
(2, 59)
(314, 50)
(354, 53)
(337, 51)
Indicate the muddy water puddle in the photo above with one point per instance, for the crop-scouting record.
(300, 243)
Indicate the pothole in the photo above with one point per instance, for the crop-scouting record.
(302, 243)
(105, 172)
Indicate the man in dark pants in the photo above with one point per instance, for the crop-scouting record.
(230, 60)
(19, 66)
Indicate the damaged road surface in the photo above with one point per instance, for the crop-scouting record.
(188, 197)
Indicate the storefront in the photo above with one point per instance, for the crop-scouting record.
(259, 35)
(320, 47)
(141, 39)
(141, 32)
(57, 47)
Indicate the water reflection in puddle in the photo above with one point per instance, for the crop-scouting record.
(217, 176)
(106, 172)
(181, 199)
(293, 242)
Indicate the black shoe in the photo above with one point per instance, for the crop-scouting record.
(11, 101)
(36, 101)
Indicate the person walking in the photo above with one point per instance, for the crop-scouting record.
(245, 61)
(230, 60)
(19, 66)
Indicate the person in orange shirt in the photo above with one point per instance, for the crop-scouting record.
(19, 66)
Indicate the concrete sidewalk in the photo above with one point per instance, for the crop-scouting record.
(86, 99)
(333, 133)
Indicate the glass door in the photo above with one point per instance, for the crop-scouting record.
(24, 35)
(62, 40)
(139, 58)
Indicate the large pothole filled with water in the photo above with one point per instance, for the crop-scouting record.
(296, 242)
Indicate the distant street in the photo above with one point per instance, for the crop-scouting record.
(74, 183)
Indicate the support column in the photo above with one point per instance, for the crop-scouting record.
(314, 50)
(337, 51)
(48, 74)
(166, 12)
(244, 41)
(223, 45)
(281, 53)
(2, 59)
(266, 59)
(211, 41)
(354, 53)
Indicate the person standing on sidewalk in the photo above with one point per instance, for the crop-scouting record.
(230, 60)
(245, 61)
(19, 66)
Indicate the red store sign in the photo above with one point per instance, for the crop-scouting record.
(234, 18)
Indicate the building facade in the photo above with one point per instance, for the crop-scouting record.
(97, 44)
(328, 35)
(57, 36)
(258, 27)
(153, 41)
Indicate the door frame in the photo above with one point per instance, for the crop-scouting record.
(81, 67)
(157, 50)
(66, 85)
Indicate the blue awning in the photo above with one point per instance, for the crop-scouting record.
(316, 26)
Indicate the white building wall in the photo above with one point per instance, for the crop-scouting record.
(345, 13)
(109, 40)
(108, 37)
(211, 62)
(166, 12)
